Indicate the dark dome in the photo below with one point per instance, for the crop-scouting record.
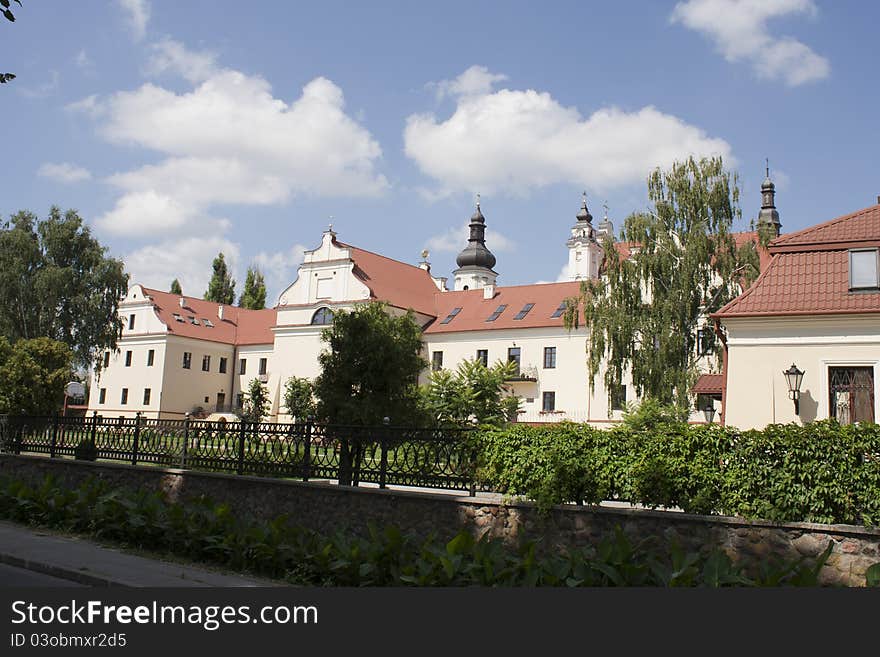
(475, 255)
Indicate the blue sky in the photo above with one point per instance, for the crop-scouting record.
(182, 129)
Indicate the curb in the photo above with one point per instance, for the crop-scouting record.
(59, 572)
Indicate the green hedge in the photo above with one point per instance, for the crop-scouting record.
(821, 472)
(209, 532)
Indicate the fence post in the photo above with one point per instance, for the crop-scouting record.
(383, 445)
(137, 435)
(307, 457)
(54, 440)
(241, 430)
(185, 441)
(473, 472)
(94, 429)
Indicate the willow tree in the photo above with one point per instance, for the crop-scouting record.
(643, 314)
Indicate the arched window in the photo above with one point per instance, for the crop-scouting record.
(322, 316)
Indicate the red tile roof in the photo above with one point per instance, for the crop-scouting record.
(475, 309)
(239, 326)
(709, 384)
(861, 228)
(401, 285)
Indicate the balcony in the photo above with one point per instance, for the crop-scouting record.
(527, 374)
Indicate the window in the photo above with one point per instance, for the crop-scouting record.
(525, 311)
(617, 397)
(863, 270)
(437, 360)
(500, 309)
(451, 315)
(239, 399)
(102, 396)
(192, 320)
(187, 360)
(128, 358)
(151, 354)
(147, 393)
(548, 401)
(263, 362)
(222, 368)
(483, 356)
(549, 358)
(322, 316)
(106, 359)
(124, 398)
(206, 363)
(242, 366)
(558, 312)
(131, 322)
(851, 394)
(705, 341)
(513, 356)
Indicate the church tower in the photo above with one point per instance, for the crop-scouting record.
(584, 250)
(768, 224)
(475, 261)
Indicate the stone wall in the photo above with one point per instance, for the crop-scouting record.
(327, 507)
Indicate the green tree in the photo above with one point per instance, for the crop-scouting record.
(371, 367)
(57, 281)
(254, 294)
(256, 402)
(32, 376)
(643, 314)
(175, 287)
(299, 397)
(8, 15)
(472, 393)
(221, 289)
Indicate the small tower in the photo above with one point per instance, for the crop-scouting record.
(584, 251)
(768, 224)
(605, 226)
(475, 261)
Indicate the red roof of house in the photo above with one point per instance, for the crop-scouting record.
(709, 384)
(398, 283)
(239, 326)
(861, 228)
(475, 310)
(809, 272)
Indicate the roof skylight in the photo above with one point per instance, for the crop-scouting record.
(525, 311)
(500, 309)
(451, 315)
(558, 312)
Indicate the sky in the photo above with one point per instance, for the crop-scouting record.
(179, 130)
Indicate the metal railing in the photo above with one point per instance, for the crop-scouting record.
(351, 455)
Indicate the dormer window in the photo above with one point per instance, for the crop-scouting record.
(863, 269)
(178, 317)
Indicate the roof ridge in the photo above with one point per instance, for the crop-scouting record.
(736, 300)
(379, 255)
(782, 240)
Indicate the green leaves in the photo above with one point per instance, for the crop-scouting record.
(254, 294)
(221, 288)
(472, 393)
(32, 376)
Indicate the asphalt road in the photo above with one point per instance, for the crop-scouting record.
(12, 576)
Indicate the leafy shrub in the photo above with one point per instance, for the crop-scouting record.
(210, 532)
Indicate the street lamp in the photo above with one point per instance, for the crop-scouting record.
(794, 377)
(709, 411)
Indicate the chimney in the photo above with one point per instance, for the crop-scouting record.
(220, 312)
(182, 302)
(488, 291)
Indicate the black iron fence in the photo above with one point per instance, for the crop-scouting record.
(351, 455)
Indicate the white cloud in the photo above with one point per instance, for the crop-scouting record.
(516, 141)
(228, 140)
(137, 16)
(88, 105)
(739, 30)
(64, 172)
(83, 61)
(188, 260)
(474, 81)
(279, 269)
(172, 56)
(455, 239)
(44, 90)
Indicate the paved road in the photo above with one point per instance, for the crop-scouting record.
(12, 576)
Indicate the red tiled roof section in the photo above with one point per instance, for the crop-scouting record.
(239, 326)
(475, 310)
(709, 384)
(401, 285)
(764, 256)
(806, 283)
(858, 228)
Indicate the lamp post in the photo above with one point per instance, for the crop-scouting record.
(709, 411)
(794, 377)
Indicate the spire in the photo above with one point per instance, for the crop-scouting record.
(475, 254)
(605, 226)
(584, 214)
(768, 217)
